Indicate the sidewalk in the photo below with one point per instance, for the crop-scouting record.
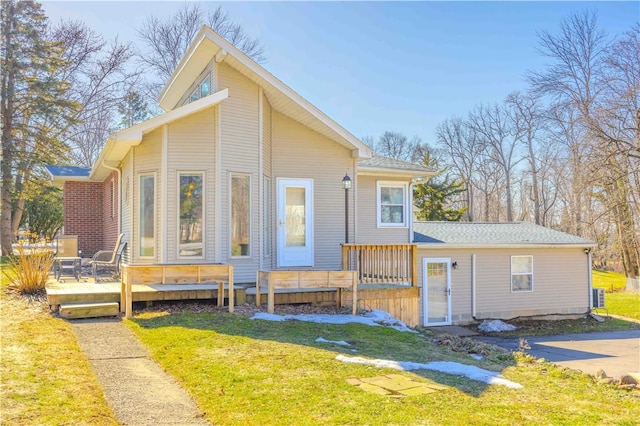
(137, 389)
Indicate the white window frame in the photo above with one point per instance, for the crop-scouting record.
(155, 201)
(405, 203)
(267, 216)
(521, 273)
(204, 228)
(250, 211)
(207, 75)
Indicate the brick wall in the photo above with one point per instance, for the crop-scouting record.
(110, 211)
(83, 215)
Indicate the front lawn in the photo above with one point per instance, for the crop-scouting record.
(249, 372)
(616, 300)
(45, 377)
(610, 281)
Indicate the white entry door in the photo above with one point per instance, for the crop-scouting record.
(436, 291)
(295, 222)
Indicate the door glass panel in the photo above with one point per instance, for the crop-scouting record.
(295, 217)
(437, 292)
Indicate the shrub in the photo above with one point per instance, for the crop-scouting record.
(29, 269)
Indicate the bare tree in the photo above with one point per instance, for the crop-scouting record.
(165, 41)
(494, 125)
(598, 81)
(464, 150)
(398, 146)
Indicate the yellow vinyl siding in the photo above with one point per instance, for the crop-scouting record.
(127, 202)
(559, 282)
(266, 170)
(368, 231)
(147, 158)
(192, 148)
(299, 152)
(240, 138)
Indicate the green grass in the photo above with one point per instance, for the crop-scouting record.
(623, 304)
(610, 281)
(257, 372)
(617, 301)
(45, 378)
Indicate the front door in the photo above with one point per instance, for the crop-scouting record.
(437, 291)
(295, 222)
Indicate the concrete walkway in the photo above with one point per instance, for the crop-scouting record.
(138, 390)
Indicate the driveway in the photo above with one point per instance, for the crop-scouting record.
(616, 352)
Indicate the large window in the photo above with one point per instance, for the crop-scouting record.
(147, 229)
(392, 204)
(240, 214)
(521, 273)
(190, 238)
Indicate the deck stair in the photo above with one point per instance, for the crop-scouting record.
(89, 310)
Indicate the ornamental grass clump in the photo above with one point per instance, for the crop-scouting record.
(29, 269)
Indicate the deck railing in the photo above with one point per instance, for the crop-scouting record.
(381, 263)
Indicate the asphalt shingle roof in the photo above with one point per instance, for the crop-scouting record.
(68, 171)
(474, 233)
(379, 161)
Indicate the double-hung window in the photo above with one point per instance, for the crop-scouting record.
(190, 225)
(521, 273)
(392, 204)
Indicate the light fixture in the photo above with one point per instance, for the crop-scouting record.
(587, 250)
(454, 265)
(346, 185)
(346, 182)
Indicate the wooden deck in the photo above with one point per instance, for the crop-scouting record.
(89, 292)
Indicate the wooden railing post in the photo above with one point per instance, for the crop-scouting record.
(414, 263)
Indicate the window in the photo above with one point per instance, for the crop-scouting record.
(392, 204)
(266, 214)
(240, 213)
(190, 227)
(201, 90)
(521, 273)
(147, 228)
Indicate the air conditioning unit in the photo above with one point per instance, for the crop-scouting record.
(598, 297)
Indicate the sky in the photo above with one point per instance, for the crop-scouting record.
(383, 66)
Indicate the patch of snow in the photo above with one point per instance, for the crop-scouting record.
(335, 342)
(495, 326)
(373, 318)
(447, 367)
(476, 356)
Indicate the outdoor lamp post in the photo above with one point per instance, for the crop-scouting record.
(346, 184)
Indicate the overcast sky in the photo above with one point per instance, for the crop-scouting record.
(377, 66)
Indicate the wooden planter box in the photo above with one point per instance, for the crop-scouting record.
(331, 280)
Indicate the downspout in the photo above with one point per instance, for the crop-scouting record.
(473, 286)
(119, 174)
(589, 278)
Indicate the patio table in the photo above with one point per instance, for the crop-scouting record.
(70, 265)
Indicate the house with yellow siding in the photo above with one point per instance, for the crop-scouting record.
(241, 170)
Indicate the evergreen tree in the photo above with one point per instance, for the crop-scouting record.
(34, 107)
(133, 109)
(434, 198)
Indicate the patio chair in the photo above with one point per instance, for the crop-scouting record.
(108, 260)
(66, 257)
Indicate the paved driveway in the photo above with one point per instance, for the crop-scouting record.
(616, 352)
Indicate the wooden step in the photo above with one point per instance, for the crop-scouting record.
(89, 310)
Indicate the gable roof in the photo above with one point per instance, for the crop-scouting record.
(379, 164)
(59, 174)
(207, 44)
(509, 234)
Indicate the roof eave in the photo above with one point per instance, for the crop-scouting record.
(359, 149)
(119, 143)
(384, 171)
(500, 246)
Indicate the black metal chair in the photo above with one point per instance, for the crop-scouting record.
(108, 260)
